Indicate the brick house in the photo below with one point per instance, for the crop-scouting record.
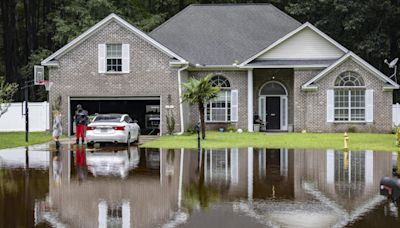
(291, 76)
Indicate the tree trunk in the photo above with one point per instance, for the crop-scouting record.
(203, 126)
(181, 5)
(30, 27)
(10, 45)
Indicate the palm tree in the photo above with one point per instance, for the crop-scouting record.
(200, 92)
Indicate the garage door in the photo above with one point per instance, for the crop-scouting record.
(146, 110)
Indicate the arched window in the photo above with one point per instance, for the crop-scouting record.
(220, 81)
(349, 97)
(219, 108)
(349, 79)
(273, 88)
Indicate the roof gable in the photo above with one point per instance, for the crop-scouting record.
(391, 84)
(308, 40)
(112, 17)
(306, 44)
(223, 34)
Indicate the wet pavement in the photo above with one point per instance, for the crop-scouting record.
(137, 187)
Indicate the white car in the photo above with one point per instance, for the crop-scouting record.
(110, 163)
(114, 128)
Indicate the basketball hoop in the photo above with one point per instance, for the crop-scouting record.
(47, 85)
(38, 74)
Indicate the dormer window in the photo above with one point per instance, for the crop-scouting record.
(114, 57)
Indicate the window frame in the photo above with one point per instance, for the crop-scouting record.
(228, 103)
(114, 58)
(227, 108)
(351, 93)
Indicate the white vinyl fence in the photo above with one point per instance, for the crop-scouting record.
(13, 120)
(396, 114)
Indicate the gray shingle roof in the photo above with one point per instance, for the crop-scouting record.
(220, 34)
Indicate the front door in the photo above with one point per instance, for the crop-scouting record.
(273, 113)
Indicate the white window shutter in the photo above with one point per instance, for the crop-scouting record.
(261, 109)
(330, 108)
(102, 58)
(234, 105)
(125, 58)
(369, 105)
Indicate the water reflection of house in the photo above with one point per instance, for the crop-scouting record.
(145, 198)
(309, 186)
(341, 185)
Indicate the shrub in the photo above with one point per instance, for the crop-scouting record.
(170, 123)
(352, 129)
(231, 128)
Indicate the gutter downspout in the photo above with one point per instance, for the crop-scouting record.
(180, 97)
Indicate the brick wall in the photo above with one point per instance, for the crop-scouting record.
(150, 73)
(238, 80)
(310, 107)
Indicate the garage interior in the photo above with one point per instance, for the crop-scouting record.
(145, 110)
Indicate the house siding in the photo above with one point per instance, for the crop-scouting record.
(306, 44)
(150, 73)
(311, 106)
(238, 80)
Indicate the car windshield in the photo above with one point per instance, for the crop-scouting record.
(107, 118)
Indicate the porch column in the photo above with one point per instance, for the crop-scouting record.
(250, 100)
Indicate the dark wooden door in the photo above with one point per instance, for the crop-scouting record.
(273, 113)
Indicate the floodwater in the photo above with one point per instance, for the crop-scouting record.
(131, 187)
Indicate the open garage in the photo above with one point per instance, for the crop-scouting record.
(145, 110)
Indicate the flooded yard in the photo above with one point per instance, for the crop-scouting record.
(246, 187)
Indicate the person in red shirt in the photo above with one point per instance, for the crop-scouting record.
(81, 120)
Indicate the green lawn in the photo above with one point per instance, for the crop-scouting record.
(15, 139)
(357, 141)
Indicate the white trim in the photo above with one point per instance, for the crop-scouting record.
(250, 169)
(369, 167)
(161, 115)
(284, 127)
(111, 98)
(318, 66)
(105, 21)
(330, 166)
(250, 100)
(180, 179)
(102, 58)
(269, 82)
(180, 97)
(261, 108)
(287, 36)
(216, 67)
(125, 58)
(69, 116)
(126, 214)
(234, 106)
(358, 60)
(224, 89)
(51, 64)
(369, 106)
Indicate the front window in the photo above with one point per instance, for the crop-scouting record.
(114, 57)
(349, 97)
(219, 108)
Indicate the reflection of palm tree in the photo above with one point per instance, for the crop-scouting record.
(7, 182)
(197, 193)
